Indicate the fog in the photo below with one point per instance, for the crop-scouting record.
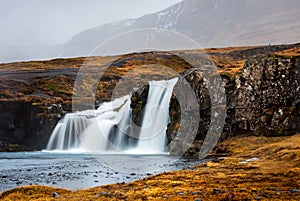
(56, 21)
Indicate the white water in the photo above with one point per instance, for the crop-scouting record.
(109, 128)
(152, 138)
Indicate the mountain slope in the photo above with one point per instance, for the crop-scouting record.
(209, 22)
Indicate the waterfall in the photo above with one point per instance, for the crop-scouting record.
(152, 137)
(109, 128)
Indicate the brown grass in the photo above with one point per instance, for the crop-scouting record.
(291, 52)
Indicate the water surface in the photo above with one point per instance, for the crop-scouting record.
(79, 170)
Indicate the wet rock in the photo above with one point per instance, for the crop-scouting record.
(294, 191)
(102, 193)
(217, 191)
(17, 115)
(265, 195)
(215, 160)
(55, 195)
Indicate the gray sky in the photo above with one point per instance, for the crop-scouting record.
(56, 21)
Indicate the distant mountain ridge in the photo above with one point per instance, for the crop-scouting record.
(212, 23)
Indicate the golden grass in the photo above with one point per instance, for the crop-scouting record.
(292, 52)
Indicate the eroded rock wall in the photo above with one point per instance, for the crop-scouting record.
(262, 99)
(266, 98)
(25, 126)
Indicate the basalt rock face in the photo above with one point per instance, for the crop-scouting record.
(25, 126)
(138, 102)
(262, 99)
(267, 96)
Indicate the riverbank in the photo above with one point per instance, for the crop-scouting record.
(255, 168)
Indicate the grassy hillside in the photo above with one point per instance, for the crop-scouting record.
(46, 82)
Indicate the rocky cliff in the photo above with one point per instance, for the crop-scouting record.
(262, 99)
(26, 125)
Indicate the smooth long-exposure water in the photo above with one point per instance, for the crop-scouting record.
(78, 171)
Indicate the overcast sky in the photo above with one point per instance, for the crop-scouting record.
(56, 21)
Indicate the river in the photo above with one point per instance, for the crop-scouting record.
(81, 170)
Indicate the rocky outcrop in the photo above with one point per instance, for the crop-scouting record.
(262, 99)
(267, 96)
(25, 126)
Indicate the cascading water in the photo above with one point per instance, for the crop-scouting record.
(152, 137)
(109, 128)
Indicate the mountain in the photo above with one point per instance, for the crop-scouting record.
(211, 23)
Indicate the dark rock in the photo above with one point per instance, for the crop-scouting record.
(263, 99)
(215, 160)
(267, 96)
(55, 195)
(29, 126)
(217, 191)
(294, 191)
(102, 193)
(265, 195)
